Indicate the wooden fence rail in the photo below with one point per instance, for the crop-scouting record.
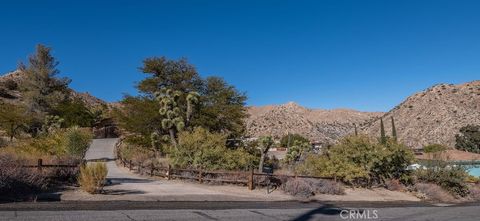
(40, 165)
(248, 178)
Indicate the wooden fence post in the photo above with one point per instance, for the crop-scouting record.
(152, 168)
(250, 180)
(39, 164)
(200, 178)
(130, 164)
(169, 171)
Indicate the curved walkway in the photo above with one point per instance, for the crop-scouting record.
(125, 185)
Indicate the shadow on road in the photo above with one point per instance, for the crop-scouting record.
(117, 181)
(122, 192)
(103, 159)
(326, 209)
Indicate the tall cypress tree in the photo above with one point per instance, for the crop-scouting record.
(383, 138)
(394, 130)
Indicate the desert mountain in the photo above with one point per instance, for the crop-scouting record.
(434, 115)
(324, 126)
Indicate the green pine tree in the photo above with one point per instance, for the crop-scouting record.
(394, 130)
(383, 137)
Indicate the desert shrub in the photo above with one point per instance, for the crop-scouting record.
(472, 179)
(432, 148)
(239, 159)
(215, 178)
(321, 186)
(134, 152)
(451, 178)
(289, 139)
(298, 188)
(77, 141)
(359, 160)
(303, 187)
(434, 192)
(63, 174)
(4, 93)
(3, 142)
(474, 192)
(394, 185)
(468, 139)
(71, 142)
(202, 149)
(10, 84)
(138, 140)
(92, 177)
(15, 179)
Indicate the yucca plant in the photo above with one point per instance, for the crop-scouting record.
(174, 120)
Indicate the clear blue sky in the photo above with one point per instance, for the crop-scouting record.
(366, 55)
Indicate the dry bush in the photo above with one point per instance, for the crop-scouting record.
(434, 192)
(136, 154)
(3, 142)
(320, 186)
(64, 174)
(10, 84)
(187, 174)
(474, 192)
(298, 188)
(92, 177)
(17, 180)
(224, 176)
(394, 185)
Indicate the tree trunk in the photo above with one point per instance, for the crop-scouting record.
(260, 165)
(172, 137)
(12, 132)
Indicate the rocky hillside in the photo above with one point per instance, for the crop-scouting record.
(434, 115)
(324, 126)
(10, 94)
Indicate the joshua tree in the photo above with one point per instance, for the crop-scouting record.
(192, 99)
(156, 144)
(394, 130)
(383, 137)
(265, 143)
(52, 123)
(173, 119)
(296, 151)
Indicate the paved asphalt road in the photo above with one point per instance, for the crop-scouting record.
(122, 210)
